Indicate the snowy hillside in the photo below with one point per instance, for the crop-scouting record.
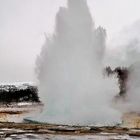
(18, 92)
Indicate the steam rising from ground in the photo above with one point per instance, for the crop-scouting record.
(125, 46)
(127, 53)
(69, 70)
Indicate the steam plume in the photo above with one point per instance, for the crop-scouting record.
(69, 70)
(127, 44)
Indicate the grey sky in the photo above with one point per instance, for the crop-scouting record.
(23, 23)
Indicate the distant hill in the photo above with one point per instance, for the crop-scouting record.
(15, 93)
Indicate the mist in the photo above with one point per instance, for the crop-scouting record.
(127, 54)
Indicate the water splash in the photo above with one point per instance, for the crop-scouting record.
(69, 70)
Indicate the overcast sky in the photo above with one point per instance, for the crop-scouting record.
(23, 23)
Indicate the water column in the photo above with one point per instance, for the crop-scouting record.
(69, 71)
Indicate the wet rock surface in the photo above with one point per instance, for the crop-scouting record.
(11, 131)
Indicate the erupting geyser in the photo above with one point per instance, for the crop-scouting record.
(69, 68)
